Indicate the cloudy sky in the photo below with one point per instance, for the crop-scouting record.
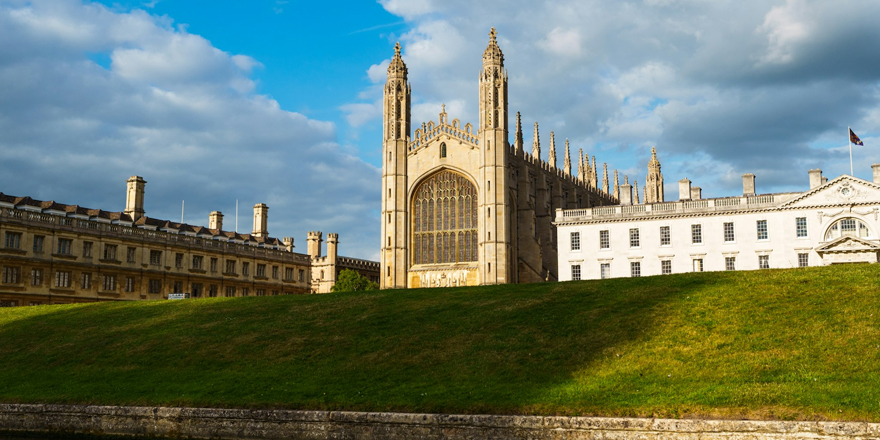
(279, 102)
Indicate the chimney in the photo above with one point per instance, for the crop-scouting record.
(815, 178)
(288, 243)
(261, 220)
(626, 194)
(876, 169)
(314, 244)
(332, 248)
(215, 220)
(749, 184)
(134, 197)
(684, 189)
(696, 193)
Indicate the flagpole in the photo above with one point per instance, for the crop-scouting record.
(849, 141)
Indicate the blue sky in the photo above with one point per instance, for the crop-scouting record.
(279, 102)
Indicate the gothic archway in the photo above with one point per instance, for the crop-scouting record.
(444, 219)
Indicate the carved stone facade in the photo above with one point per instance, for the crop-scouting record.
(460, 204)
(834, 222)
(53, 253)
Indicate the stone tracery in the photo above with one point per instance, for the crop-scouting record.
(445, 220)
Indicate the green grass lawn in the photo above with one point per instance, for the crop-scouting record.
(786, 344)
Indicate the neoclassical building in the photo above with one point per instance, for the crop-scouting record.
(54, 253)
(463, 206)
(833, 222)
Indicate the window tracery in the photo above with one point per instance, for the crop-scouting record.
(447, 234)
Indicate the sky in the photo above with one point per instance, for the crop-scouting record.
(279, 102)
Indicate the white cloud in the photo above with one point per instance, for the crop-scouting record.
(408, 9)
(561, 42)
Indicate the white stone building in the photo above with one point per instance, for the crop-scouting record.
(833, 222)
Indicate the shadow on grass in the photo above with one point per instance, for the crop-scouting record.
(492, 349)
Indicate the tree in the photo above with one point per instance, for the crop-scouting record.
(350, 281)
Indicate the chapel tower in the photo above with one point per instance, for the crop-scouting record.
(396, 132)
(495, 212)
(654, 180)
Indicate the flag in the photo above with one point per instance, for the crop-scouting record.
(853, 139)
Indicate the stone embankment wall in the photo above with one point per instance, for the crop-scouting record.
(313, 425)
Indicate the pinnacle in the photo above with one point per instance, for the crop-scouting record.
(493, 54)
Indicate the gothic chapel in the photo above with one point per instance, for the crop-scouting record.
(460, 205)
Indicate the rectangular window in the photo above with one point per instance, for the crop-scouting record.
(230, 266)
(245, 268)
(729, 236)
(604, 240)
(696, 234)
(156, 258)
(13, 240)
(86, 281)
(261, 270)
(11, 275)
(38, 244)
(230, 291)
(665, 267)
(212, 290)
(178, 287)
(87, 249)
(36, 277)
(288, 273)
(275, 272)
(129, 284)
(64, 246)
(110, 252)
(729, 263)
(803, 260)
(698, 265)
(154, 286)
(605, 270)
(197, 290)
(763, 262)
(575, 272)
(213, 265)
(634, 237)
(575, 241)
(245, 291)
(178, 261)
(62, 278)
(665, 239)
(762, 230)
(274, 293)
(302, 275)
(196, 263)
(635, 269)
(130, 255)
(261, 292)
(801, 225)
(109, 283)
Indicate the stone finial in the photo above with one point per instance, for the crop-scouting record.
(492, 54)
(566, 164)
(518, 142)
(536, 144)
(605, 178)
(626, 179)
(397, 68)
(616, 186)
(581, 170)
(551, 156)
(594, 178)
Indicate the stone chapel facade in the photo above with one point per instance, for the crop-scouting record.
(460, 204)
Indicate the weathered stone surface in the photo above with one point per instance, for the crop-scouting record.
(208, 423)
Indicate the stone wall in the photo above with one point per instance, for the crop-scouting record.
(294, 425)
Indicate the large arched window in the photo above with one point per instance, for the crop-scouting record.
(444, 219)
(847, 227)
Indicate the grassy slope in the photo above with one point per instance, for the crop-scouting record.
(802, 344)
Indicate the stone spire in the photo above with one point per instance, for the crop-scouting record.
(581, 169)
(397, 68)
(654, 180)
(636, 191)
(536, 144)
(551, 156)
(566, 164)
(625, 179)
(518, 143)
(492, 54)
(605, 178)
(616, 185)
(595, 176)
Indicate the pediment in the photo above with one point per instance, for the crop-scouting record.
(849, 245)
(844, 190)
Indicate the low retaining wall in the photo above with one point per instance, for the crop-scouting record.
(314, 425)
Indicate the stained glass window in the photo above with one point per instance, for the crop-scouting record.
(445, 215)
